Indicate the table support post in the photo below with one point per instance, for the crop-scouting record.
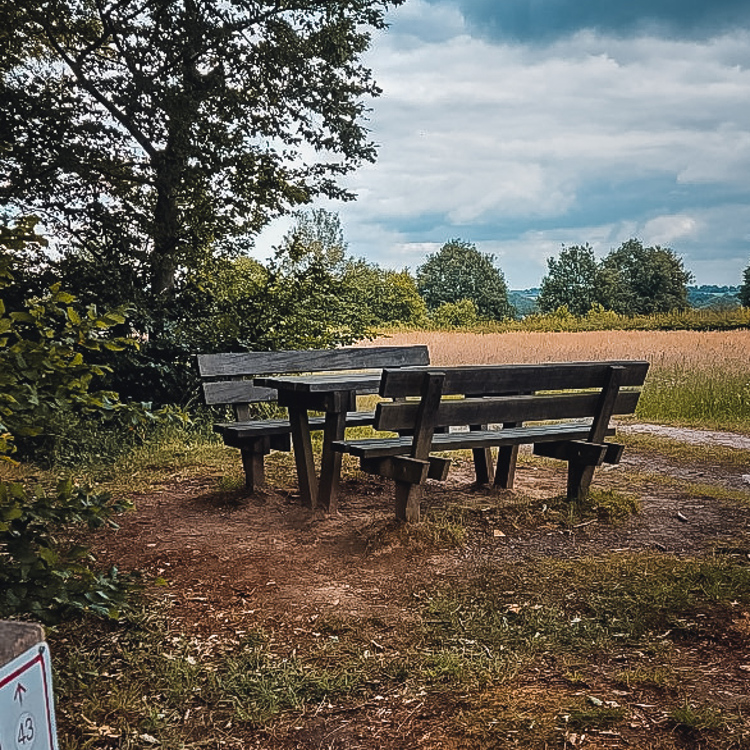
(303, 455)
(330, 462)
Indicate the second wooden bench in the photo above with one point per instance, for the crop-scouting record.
(569, 405)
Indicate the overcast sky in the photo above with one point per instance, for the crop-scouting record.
(525, 125)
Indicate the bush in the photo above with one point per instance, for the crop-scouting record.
(461, 314)
(43, 572)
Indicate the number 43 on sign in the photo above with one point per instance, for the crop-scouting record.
(27, 717)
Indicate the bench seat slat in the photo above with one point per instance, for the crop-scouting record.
(394, 446)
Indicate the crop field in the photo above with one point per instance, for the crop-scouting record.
(697, 378)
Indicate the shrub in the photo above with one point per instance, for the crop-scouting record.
(43, 572)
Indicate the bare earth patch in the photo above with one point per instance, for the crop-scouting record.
(234, 563)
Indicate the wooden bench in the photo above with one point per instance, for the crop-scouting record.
(228, 380)
(573, 401)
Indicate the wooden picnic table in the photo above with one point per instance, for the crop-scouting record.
(231, 379)
(334, 394)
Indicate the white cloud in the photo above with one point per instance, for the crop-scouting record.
(532, 145)
(665, 230)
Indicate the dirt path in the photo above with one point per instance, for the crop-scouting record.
(234, 563)
(691, 436)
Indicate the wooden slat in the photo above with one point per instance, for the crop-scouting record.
(237, 392)
(234, 364)
(281, 426)
(392, 417)
(361, 382)
(479, 380)
(393, 446)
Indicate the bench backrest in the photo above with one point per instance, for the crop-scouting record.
(507, 394)
(228, 377)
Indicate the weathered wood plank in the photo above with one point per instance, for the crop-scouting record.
(250, 428)
(497, 379)
(393, 446)
(303, 455)
(581, 471)
(236, 392)
(395, 416)
(408, 494)
(233, 364)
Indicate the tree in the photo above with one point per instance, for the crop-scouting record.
(151, 134)
(390, 296)
(744, 293)
(637, 280)
(459, 271)
(572, 279)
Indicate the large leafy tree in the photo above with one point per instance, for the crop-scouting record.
(149, 133)
(572, 280)
(458, 271)
(744, 294)
(638, 280)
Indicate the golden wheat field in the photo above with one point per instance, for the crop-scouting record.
(697, 378)
(699, 350)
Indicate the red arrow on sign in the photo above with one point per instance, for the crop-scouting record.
(18, 695)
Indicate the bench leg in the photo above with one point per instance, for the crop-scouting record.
(482, 459)
(505, 474)
(579, 480)
(330, 462)
(252, 463)
(408, 498)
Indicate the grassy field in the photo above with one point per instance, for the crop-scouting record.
(607, 650)
(697, 378)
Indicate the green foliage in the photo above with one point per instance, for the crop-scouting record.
(157, 134)
(48, 363)
(390, 296)
(599, 319)
(572, 280)
(310, 296)
(637, 280)
(461, 314)
(632, 280)
(43, 572)
(458, 271)
(744, 295)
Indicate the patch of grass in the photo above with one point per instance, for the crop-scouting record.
(609, 506)
(480, 637)
(142, 676)
(584, 605)
(692, 489)
(440, 528)
(695, 718)
(597, 716)
(661, 676)
(711, 398)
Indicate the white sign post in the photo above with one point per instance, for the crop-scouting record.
(27, 712)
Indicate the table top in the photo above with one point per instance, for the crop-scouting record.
(363, 382)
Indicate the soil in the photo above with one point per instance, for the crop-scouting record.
(236, 562)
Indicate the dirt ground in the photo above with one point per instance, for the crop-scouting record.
(235, 562)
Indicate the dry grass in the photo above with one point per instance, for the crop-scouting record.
(697, 378)
(693, 350)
